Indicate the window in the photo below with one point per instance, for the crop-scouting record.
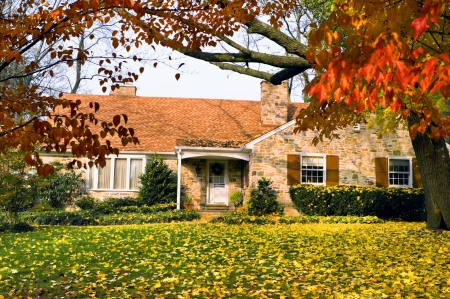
(118, 174)
(313, 169)
(104, 175)
(135, 171)
(399, 172)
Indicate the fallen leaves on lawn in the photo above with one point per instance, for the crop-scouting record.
(391, 260)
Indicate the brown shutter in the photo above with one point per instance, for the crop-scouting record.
(293, 169)
(332, 170)
(381, 172)
(417, 179)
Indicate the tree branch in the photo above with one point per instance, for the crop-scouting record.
(252, 57)
(243, 70)
(20, 126)
(289, 44)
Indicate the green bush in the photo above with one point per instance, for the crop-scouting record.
(19, 227)
(386, 203)
(262, 200)
(237, 218)
(158, 183)
(112, 205)
(60, 188)
(236, 197)
(86, 203)
(82, 218)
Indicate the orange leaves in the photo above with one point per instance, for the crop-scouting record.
(377, 67)
(431, 10)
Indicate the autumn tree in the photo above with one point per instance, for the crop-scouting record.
(383, 57)
(185, 24)
(396, 59)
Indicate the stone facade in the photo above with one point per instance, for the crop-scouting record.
(274, 104)
(356, 151)
(196, 187)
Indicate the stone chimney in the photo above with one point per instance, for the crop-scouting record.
(274, 104)
(124, 90)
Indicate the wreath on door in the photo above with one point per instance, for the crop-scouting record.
(217, 169)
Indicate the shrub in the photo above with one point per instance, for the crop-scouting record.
(262, 200)
(82, 218)
(19, 227)
(158, 183)
(236, 197)
(16, 192)
(114, 204)
(61, 187)
(386, 203)
(41, 207)
(85, 203)
(237, 218)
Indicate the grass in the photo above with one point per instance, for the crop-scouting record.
(202, 260)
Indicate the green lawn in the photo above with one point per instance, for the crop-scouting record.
(200, 260)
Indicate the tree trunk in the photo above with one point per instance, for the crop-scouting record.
(434, 166)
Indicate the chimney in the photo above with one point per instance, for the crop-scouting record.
(274, 103)
(124, 90)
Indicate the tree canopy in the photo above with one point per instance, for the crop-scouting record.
(29, 116)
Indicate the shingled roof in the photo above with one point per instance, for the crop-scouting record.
(162, 123)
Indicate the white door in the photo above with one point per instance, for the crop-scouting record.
(217, 183)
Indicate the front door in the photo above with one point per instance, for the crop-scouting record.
(217, 183)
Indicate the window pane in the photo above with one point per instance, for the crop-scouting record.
(312, 169)
(104, 175)
(120, 174)
(399, 172)
(135, 171)
(91, 177)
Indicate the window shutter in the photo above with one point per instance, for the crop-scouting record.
(332, 170)
(293, 169)
(417, 179)
(381, 172)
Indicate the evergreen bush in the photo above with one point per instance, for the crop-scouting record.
(158, 183)
(61, 187)
(386, 203)
(262, 200)
(86, 203)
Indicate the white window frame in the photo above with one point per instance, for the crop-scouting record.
(324, 156)
(111, 178)
(409, 159)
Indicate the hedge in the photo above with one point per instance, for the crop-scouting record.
(82, 218)
(238, 218)
(386, 203)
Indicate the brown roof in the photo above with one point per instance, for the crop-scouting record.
(160, 122)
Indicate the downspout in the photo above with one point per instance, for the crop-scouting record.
(179, 180)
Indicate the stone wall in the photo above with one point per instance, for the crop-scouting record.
(356, 151)
(196, 187)
(274, 105)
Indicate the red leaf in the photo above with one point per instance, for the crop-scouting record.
(401, 74)
(419, 26)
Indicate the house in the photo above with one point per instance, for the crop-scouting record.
(218, 146)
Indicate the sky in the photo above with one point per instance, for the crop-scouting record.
(202, 80)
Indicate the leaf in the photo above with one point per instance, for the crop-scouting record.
(116, 120)
(420, 25)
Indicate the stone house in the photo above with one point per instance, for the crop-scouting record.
(218, 146)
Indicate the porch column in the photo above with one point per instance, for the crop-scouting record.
(179, 180)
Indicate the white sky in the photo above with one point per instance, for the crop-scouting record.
(203, 81)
